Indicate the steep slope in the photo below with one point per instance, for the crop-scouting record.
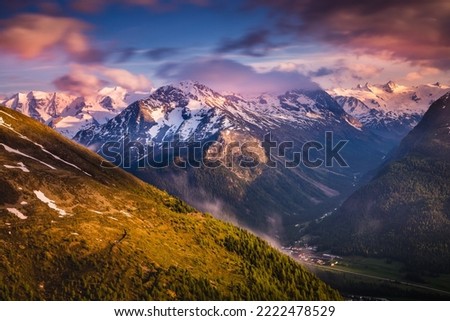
(404, 212)
(391, 110)
(230, 129)
(69, 114)
(71, 229)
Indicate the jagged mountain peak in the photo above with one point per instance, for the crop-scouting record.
(181, 94)
(390, 107)
(390, 86)
(197, 89)
(39, 94)
(366, 87)
(70, 113)
(186, 86)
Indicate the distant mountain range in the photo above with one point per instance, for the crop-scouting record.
(395, 107)
(68, 113)
(390, 110)
(404, 212)
(71, 229)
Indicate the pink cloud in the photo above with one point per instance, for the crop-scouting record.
(33, 35)
(80, 81)
(87, 80)
(422, 73)
(413, 30)
(126, 79)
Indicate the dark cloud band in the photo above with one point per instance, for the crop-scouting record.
(413, 30)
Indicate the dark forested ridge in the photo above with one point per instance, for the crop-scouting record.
(404, 212)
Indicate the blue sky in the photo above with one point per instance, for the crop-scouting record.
(79, 46)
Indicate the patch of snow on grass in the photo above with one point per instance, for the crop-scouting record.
(49, 202)
(2, 123)
(17, 213)
(8, 126)
(21, 167)
(15, 151)
(3, 112)
(125, 213)
(62, 160)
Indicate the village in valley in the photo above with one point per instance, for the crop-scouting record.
(309, 255)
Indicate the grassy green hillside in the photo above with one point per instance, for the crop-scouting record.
(404, 212)
(72, 230)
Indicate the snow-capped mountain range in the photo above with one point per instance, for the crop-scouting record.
(389, 106)
(67, 113)
(191, 110)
